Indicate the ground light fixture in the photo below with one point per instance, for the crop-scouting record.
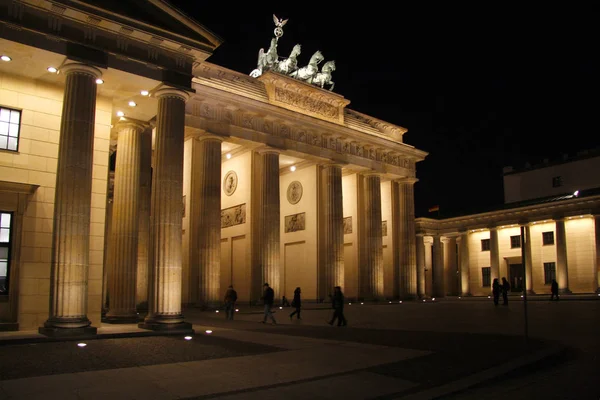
(208, 331)
(81, 344)
(188, 338)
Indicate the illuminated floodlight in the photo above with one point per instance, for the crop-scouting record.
(400, 302)
(293, 168)
(390, 302)
(132, 103)
(216, 311)
(208, 331)
(81, 344)
(237, 309)
(424, 300)
(5, 58)
(576, 193)
(120, 114)
(144, 93)
(228, 156)
(99, 81)
(362, 303)
(351, 303)
(52, 70)
(489, 297)
(433, 299)
(188, 338)
(281, 308)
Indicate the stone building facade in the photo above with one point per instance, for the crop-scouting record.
(202, 193)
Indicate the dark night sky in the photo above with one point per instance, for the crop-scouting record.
(478, 87)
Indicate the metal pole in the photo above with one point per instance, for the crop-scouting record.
(523, 261)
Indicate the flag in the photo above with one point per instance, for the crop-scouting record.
(434, 208)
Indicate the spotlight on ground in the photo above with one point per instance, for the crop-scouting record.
(81, 344)
(216, 311)
(208, 331)
(188, 338)
(237, 309)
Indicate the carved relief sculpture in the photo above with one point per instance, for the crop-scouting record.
(235, 215)
(294, 223)
(384, 228)
(230, 183)
(347, 225)
(294, 192)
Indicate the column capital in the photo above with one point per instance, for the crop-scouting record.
(407, 180)
(428, 239)
(368, 174)
(268, 150)
(79, 68)
(207, 137)
(332, 164)
(125, 122)
(167, 91)
(445, 239)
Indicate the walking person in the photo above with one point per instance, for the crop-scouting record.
(505, 289)
(554, 290)
(296, 303)
(496, 291)
(267, 298)
(337, 302)
(230, 299)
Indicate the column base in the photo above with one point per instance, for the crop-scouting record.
(564, 291)
(181, 327)
(67, 332)
(530, 292)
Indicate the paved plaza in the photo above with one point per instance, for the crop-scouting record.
(451, 348)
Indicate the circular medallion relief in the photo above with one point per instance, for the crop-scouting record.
(230, 183)
(294, 192)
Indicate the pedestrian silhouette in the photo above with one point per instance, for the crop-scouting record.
(554, 290)
(496, 291)
(337, 303)
(505, 289)
(230, 299)
(267, 298)
(296, 303)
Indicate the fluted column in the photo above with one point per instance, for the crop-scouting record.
(420, 264)
(528, 261)
(438, 267)
(110, 187)
(464, 263)
(72, 207)
(268, 221)
(331, 243)
(449, 257)
(562, 269)
(205, 220)
(404, 207)
(371, 270)
(122, 262)
(143, 256)
(595, 267)
(164, 297)
(494, 255)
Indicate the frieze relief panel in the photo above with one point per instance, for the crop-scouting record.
(384, 228)
(232, 216)
(295, 222)
(347, 225)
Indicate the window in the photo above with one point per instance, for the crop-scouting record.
(485, 244)
(10, 123)
(548, 238)
(5, 220)
(557, 181)
(515, 242)
(549, 272)
(486, 276)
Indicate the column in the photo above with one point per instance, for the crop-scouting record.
(205, 220)
(331, 225)
(427, 272)
(73, 194)
(464, 263)
(371, 269)
(122, 261)
(420, 264)
(268, 231)
(438, 267)
(449, 257)
(562, 268)
(528, 261)
(164, 295)
(494, 255)
(404, 207)
(597, 266)
(144, 251)
(110, 188)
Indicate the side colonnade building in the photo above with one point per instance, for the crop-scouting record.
(461, 256)
(137, 178)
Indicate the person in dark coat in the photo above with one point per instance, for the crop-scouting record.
(554, 290)
(496, 291)
(267, 298)
(230, 299)
(337, 302)
(505, 290)
(296, 303)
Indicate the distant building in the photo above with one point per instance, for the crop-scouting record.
(553, 178)
(558, 207)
